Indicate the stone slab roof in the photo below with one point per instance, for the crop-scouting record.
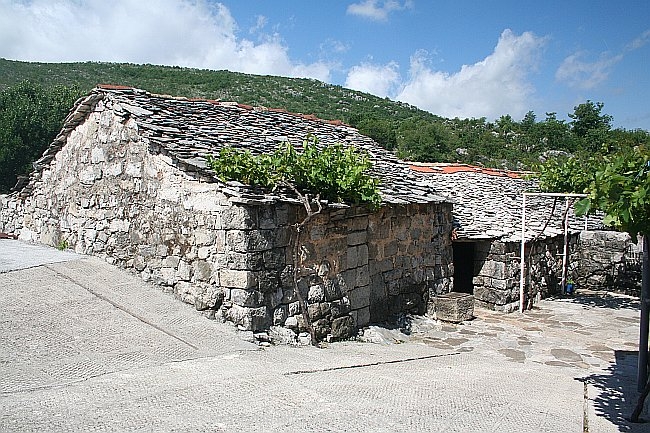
(188, 130)
(487, 203)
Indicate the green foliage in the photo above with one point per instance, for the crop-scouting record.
(419, 140)
(621, 189)
(617, 184)
(566, 175)
(589, 126)
(336, 172)
(380, 130)
(411, 132)
(30, 118)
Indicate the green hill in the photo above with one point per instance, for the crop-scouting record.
(298, 95)
(35, 97)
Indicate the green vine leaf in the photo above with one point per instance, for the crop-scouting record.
(337, 172)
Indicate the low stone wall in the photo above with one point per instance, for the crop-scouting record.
(107, 194)
(607, 260)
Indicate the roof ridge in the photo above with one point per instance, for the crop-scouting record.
(311, 117)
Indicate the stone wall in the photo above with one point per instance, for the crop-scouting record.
(597, 260)
(496, 274)
(498, 269)
(108, 194)
(607, 260)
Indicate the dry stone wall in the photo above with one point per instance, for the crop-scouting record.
(599, 260)
(108, 193)
(375, 265)
(607, 260)
(497, 271)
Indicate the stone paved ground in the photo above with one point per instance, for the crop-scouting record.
(87, 347)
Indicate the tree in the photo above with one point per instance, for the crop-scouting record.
(424, 141)
(556, 134)
(589, 125)
(380, 130)
(30, 118)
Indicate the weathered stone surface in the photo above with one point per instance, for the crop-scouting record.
(249, 319)
(359, 297)
(322, 328)
(316, 294)
(453, 307)
(342, 328)
(237, 279)
(282, 335)
(131, 186)
(246, 298)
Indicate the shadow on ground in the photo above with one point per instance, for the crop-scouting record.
(604, 300)
(617, 395)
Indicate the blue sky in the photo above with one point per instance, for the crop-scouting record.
(454, 58)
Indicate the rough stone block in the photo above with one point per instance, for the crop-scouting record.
(359, 297)
(239, 217)
(321, 327)
(390, 249)
(353, 257)
(202, 270)
(204, 237)
(357, 238)
(267, 217)
(452, 307)
(379, 266)
(358, 223)
(342, 327)
(362, 258)
(316, 294)
(363, 316)
(246, 298)
(237, 279)
(249, 319)
(378, 302)
(363, 276)
(280, 335)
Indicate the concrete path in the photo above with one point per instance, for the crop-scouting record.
(88, 347)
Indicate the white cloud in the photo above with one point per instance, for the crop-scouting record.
(489, 88)
(260, 22)
(639, 42)
(380, 80)
(334, 46)
(576, 72)
(377, 10)
(193, 33)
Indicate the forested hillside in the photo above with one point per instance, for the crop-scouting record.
(35, 97)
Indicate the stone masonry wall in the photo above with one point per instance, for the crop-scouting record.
(359, 267)
(107, 194)
(497, 271)
(607, 260)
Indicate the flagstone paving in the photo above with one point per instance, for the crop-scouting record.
(88, 347)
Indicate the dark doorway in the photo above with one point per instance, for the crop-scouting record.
(464, 267)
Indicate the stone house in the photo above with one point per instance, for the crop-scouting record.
(487, 214)
(126, 180)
